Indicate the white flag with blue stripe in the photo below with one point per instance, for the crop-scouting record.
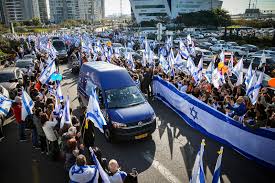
(240, 79)
(251, 84)
(238, 68)
(59, 91)
(198, 172)
(47, 72)
(94, 113)
(198, 74)
(102, 173)
(248, 75)
(5, 105)
(130, 61)
(255, 93)
(27, 105)
(217, 171)
(66, 116)
(209, 71)
(164, 64)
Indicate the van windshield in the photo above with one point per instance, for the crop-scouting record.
(124, 97)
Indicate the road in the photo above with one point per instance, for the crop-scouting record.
(167, 157)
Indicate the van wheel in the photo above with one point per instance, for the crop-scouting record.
(107, 135)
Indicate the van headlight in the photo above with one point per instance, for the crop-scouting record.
(118, 125)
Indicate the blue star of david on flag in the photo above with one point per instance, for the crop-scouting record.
(193, 113)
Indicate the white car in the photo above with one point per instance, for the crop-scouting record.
(206, 55)
(268, 53)
(238, 50)
(123, 51)
(218, 47)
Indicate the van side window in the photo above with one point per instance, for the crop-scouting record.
(90, 87)
(100, 97)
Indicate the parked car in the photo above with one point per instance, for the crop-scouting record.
(238, 50)
(10, 77)
(123, 51)
(212, 40)
(206, 55)
(24, 64)
(256, 60)
(267, 53)
(117, 45)
(271, 49)
(250, 47)
(205, 45)
(231, 44)
(218, 47)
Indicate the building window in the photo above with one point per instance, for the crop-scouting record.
(149, 6)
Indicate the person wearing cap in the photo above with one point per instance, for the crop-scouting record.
(16, 109)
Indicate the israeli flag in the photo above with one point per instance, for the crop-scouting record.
(209, 71)
(57, 108)
(47, 72)
(263, 59)
(256, 88)
(189, 40)
(5, 105)
(164, 64)
(66, 116)
(217, 171)
(171, 58)
(222, 56)
(198, 172)
(230, 65)
(216, 78)
(102, 173)
(238, 68)
(27, 105)
(240, 79)
(59, 91)
(190, 65)
(251, 84)
(130, 61)
(94, 113)
(178, 60)
(52, 51)
(248, 75)
(144, 60)
(198, 74)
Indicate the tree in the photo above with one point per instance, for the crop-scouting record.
(222, 17)
(36, 21)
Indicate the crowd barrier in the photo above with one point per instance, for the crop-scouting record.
(258, 144)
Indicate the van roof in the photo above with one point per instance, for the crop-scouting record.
(107, 76)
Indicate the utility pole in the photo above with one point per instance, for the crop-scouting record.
(211, 2)
(120, 8)
(249, 4)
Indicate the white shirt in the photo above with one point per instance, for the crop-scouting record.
(48, 130)
(84, 174)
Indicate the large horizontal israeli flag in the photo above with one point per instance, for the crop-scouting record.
(47, 72)
(256, 144)
(5, 105)
(94, 113)
(27, 105)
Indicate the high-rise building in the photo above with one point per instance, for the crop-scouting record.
(61, 10)
(145, 10)
(2, 16)
(20, 10)
(98, 10)
(44, 9)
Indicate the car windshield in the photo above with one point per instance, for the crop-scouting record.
(5, 77)
(59, 45)
(23, 64)
(124, 97)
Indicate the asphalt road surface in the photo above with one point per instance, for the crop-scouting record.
(167, 157)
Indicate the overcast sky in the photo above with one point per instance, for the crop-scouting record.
(233, 6)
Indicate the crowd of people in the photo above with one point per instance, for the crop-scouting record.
(73, 143)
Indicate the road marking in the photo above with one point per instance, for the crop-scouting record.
(35, 171)
(164, 171)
